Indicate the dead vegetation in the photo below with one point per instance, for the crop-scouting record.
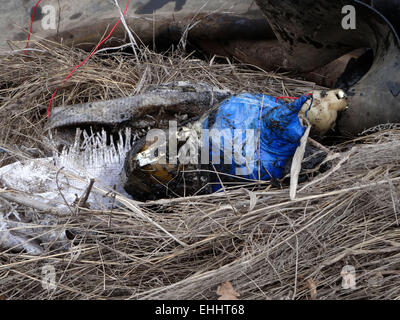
(265, 245)
(29, 80)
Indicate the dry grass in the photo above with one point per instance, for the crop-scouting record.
(28, 81)
(271, 248)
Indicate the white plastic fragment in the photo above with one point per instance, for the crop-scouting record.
(57, 180)
(67, 174)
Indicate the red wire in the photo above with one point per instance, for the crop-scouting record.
(84, 61)
(30, 29)
(294, 98)
(278, 98)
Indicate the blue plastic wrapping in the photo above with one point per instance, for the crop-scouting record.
(260, 132)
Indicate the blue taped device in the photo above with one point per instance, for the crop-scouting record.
(272, 137)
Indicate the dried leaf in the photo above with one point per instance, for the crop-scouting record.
(313, 288)
(226, 292)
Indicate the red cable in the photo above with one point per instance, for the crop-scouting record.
(30, 30)
(278, 98)
(84, 61)
(294, 98)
